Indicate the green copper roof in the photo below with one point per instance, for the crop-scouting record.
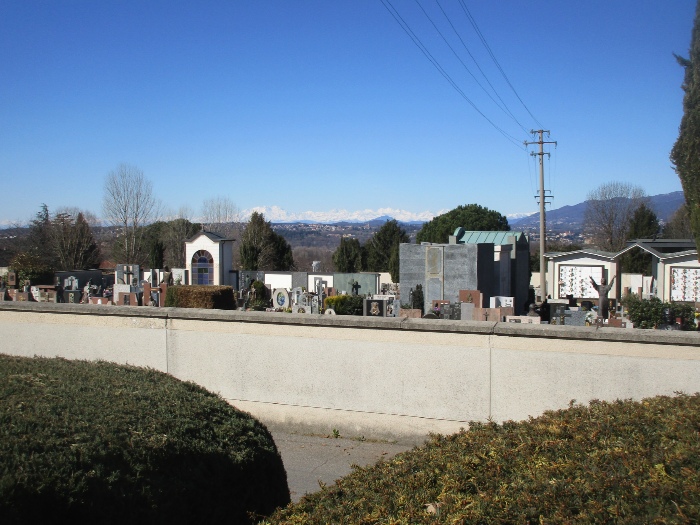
(474, 237)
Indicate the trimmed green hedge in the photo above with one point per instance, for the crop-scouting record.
(623, 462)
(198, 296)
(345, 304)
(650, 313)
(102, 443)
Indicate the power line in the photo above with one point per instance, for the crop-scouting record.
(466, 48)
(493, 57)
(503, 108)
(395, 14)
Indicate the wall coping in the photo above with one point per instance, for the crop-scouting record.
(585, 333)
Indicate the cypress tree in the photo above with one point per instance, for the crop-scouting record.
(686, 151)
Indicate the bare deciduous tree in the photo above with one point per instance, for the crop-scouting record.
(177, 231)
(609, 209)
(129, 203)
(219, 214)
(678, 225)
(72, 240)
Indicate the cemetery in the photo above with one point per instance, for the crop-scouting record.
(476, 276)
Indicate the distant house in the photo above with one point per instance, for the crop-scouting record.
(209, 259)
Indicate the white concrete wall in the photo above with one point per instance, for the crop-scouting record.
(378, 378)
(275, 280)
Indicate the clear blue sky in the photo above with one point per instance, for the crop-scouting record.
(320, 105)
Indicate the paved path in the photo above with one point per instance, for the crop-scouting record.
(310, 459)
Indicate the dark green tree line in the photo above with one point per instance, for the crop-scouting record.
(471, 217)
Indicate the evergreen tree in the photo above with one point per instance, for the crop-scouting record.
(262, 248)
(471, 217)
(643, 225)
(686, 151)
(384, 245)
(39, 242)
(347, 258)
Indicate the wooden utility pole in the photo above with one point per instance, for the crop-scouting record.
(543, 230)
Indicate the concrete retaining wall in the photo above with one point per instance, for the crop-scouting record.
(379, 378)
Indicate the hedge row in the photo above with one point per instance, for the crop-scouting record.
(211, 297)
(652, 313)
(622, 462)
(345, 304)
(102, 443)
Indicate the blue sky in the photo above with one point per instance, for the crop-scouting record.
(322, 106)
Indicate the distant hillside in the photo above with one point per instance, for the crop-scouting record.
(570, 218)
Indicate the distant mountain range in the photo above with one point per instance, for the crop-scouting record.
(570, 218)
(278, 215)
(566, 218)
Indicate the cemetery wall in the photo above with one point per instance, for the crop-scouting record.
(379, 378)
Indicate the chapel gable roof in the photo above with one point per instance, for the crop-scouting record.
(212, 236)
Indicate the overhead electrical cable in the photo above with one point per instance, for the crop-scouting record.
(495, 61)
(504, 106)
(395, 14)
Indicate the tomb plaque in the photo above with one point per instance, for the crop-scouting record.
(375, 307)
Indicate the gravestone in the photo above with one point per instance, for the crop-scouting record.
(127, 299)
(12, 279)
(374, 307)
(72, 296)
(452, 312)
(575, 318)
(280, 298)
(471, 297)
(496, 315)
(467, 311)
(437, 305)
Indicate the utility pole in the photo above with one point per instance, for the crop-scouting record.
(543, 231)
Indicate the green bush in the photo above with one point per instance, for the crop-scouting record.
(622, 462)
(102, 443)
(650, 313)
(345, 304)
(198, 296)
